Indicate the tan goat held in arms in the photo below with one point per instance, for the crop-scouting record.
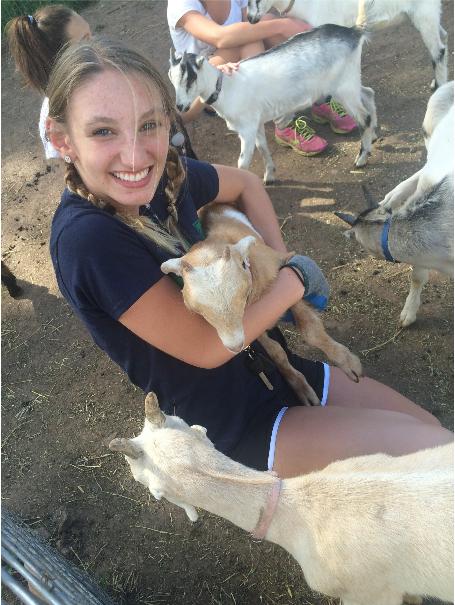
(232, 268)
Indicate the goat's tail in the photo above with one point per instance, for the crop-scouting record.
(361, 20)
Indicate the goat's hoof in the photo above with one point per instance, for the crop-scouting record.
(433, 84)
(312, 399)
(349, 363)
(269, 178)
(407, 318)
(361, 160)
(309, 400)
(306, 395)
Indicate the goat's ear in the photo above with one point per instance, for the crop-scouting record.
(153, 412)
(243, 246)
(126, 447)
(199, 62)
(368, 197)
(176, 265)
(173, 59)
(350, 219)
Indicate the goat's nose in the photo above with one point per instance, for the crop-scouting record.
(234, 342)
(180, 106)
(237, 348)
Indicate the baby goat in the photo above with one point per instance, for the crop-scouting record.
(414, 222)
(425, 15)
(233, 267)
(274, 84)
(367, 530)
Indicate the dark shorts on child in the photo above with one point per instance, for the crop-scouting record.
(256, 447)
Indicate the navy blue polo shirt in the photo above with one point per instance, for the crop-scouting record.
(103, 266)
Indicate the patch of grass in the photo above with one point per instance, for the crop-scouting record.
(13, 8)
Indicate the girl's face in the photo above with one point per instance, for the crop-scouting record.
(117, 135)
(77, 29)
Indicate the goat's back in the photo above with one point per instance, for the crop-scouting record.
(378, 12)
(309, 50)
(382, 523)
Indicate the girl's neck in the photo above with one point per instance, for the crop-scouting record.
(125, 210)
(219, 10)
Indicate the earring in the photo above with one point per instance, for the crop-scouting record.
(67, 159)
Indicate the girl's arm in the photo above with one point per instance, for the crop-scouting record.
(160, 318)
(246, 191)
(236, 34)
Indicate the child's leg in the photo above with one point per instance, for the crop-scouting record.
(310, 438)
(371, 394)
(295, 26)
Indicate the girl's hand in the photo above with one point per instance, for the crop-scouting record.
(228, 68)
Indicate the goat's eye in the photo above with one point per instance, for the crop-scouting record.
(244, 265)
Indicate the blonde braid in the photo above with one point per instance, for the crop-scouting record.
(74, 183)
(175, 177)
(142, 224)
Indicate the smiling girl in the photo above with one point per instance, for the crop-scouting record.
(130, 204)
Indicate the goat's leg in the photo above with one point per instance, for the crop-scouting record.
(293, 377)
(261, 144)
(246, 137)
(401, 192)
(419, 278)
(312, 329)
(363, 110)
(367, 125)
(434, 37)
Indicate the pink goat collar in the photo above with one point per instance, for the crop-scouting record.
(267, 512)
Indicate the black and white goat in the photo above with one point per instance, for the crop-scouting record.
(273, 85)
(414, 222)
(425, 15)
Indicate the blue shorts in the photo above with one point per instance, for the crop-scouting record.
(256, 448)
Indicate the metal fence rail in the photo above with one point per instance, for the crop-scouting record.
(36, 573)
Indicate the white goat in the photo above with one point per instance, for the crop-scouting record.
(414, 222)
(368, 530)
(438, 125)
(232, 268)
(274, 84)
(424, 14)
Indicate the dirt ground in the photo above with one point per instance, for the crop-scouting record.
(63, 399)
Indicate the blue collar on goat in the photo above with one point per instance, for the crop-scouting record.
(385, 241)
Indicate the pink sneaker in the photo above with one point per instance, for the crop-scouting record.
(301, 138)
(334, 113)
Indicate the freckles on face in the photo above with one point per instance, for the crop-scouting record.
(118, 135)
